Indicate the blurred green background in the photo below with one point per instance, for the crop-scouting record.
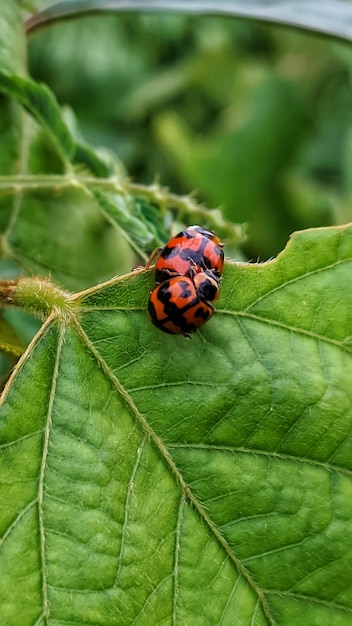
(256, 119)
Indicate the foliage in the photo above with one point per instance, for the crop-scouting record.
(145, 478)
(201, 101)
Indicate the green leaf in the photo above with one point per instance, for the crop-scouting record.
(42, 105)
(135, 217)
(10, 343)
(60, 231)
(86, 155)
(80, 229)
(55, 224)
(330, 17)
(39, 101)
(12, 58)
(149, 213)
(12, 39)
(146, 479)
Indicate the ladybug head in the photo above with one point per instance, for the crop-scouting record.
(206, 285)
(206, 233)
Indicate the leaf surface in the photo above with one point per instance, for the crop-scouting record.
(40, 102)
(154, 480)
(330, 17)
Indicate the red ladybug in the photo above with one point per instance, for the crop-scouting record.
(175, 306)
(192, 249)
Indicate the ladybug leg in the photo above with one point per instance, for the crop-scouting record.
(197, 269)
(152, 256)
(192, 268)
(149, 262)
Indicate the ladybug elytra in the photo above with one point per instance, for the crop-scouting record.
(192, 247)
(175, 306)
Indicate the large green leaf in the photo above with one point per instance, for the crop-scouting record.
(330, 17)
(149, 479)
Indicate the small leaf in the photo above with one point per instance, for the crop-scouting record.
(99, 162)
(119, 207)
(150, 214)
(330, 17)
(213, 476)
(136, 217)
(86, 155)
(39, 101)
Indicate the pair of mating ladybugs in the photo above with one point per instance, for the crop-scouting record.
(187, 272)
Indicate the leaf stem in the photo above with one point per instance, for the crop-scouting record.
(36, 295)
(188, 210)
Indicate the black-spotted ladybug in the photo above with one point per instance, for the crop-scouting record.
(176, 308)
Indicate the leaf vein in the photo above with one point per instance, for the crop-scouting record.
(20, 439)
(231, 595)
(313, 600)
(17, 519)
(177, 558)
(41, 489)
(298, 278)
(284, 326)
(271, 454)
(127, 503)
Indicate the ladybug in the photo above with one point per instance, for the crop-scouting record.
(176, 307)
(192, 249)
